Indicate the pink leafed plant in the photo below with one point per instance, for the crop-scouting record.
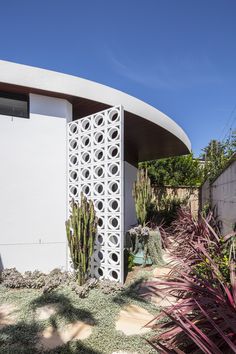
(203, 320)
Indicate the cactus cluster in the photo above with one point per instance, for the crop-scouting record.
(146, 242)
(81, 229)
(143, 195)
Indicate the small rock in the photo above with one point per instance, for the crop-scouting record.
(51, 338)
(132, 319)
(161, 272)
(77, 330)
(7, 314)
(43, 313)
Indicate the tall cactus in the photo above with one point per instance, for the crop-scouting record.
(81, 229)
(143, 195)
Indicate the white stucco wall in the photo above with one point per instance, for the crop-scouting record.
(130, 175)
(33, 196)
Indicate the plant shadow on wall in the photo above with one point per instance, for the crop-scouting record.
(204, 283)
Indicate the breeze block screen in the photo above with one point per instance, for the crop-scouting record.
(95, 167)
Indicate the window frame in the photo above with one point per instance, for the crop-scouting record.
(17, 97)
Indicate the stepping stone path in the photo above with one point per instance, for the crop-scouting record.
(51, 338)
(161, 272)
(7, 315)
(45, 312)
(152, 291)
(132, 319)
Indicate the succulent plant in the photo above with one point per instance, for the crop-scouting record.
(150, 240)
(81, 229)
(143, 196)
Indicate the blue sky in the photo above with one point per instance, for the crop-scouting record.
(177, 55)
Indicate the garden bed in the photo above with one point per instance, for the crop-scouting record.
(99, 312)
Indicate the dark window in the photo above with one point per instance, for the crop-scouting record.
(12, 104)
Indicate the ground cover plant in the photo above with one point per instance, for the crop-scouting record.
(204, 318)
(11, 278)
(100, 308)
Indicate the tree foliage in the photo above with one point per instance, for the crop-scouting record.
(215, 157)
(231, 143)
(217, 154)
(187, 171)
(175, 171)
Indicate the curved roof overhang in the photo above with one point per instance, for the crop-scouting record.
(149, 133)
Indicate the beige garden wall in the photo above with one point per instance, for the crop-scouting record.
(190, 194)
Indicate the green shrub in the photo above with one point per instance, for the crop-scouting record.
(130, 261)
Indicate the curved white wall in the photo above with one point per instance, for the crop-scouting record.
(37, 78)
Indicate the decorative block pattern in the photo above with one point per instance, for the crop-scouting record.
(95, 167)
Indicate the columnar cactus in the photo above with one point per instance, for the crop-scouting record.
(143, 195)
(81, 229)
